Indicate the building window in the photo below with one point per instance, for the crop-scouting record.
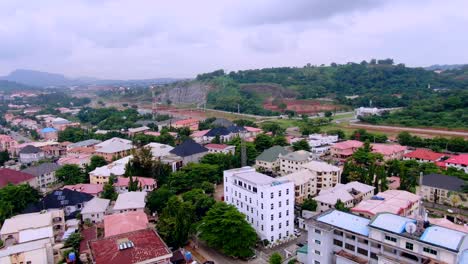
(317, 252)
(430, 251)
(272, 228)
(279, 204)
(272, 238)
(271, 217)
(317, 242)
(287, 222)
(338, 233)
(316, 262)
(254, 189)
(352, 237)
(389, 238)
(279, 214)
(373, 256)
(337, 242)
(261, 217)
(279, 193)
(261, 205)
(261, 195)
(271, 195)
(287, 201)
(279, 225)
(409, 246)
(349, 247)
(287, 212)
(287, 191)
(362, 251)
(272, 206)
(318, 231)
(250, 200)
(262, 227)
(279, 236)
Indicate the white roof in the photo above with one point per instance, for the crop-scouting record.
(320, 166)
(342, 192)
(391, 222)
(35, 234)
(114, 145)
(130, 200)
(300, 177)
(96, 205)
(258, 178)
(346, 221)
(24, 247)
(159, 150)
(116, 168)
(138, 129)
(443, 237)
(26, 221)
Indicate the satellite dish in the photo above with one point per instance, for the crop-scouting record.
(410, 227)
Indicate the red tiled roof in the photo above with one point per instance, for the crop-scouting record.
(117, 224)
(387, 149)
(348, 144)
(424, 154)
(13, 177)
(123, 181)
(87, 234)
(216, 146)
(200, 133)
(88, 188)
(252, 129)
(461, 159)
(147, 245)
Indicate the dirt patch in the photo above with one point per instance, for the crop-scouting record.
(302, 106)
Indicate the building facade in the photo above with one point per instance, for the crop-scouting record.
(267, 203)
(292, 162)
(327, 175)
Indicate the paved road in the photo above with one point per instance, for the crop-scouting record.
(208, 253)
(415, 130)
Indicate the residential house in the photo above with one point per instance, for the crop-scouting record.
(81, 160)
(84, 143)
(189, 151)
(95, 210)
(266, 202)
(305, 184)
(222, 122)
(220, 148)
(391, 201)
(198, 136)
(389, 151)
(146, 184)
(9, 176)
(49, 133)
(114, 147)
(117, 224)
(130, 201)
(81, 151)
(350, 194)
(424, 155)
(345, 149)
(438, 188)
(292, 162)
(459, 162)
(44, 173)
(137, 130)
(190, 123)
(252, 132)
(224, 134)
(54, 151)
(320, 144)
(36, 251)
(143, 246)
(340, 237)
(101, 175)
(159, 150)
(326, 174)
(62, 123)
(23, 228)
(268, 161)
(7, 143)
(70, 201)
(30, 154)
(89, 188)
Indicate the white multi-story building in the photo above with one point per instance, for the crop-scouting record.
(327, 175)
(267, 203)
(339, 237)
(316, 140)
(292, 162)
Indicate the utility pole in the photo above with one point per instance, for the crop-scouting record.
(238, 108)
(243, 150)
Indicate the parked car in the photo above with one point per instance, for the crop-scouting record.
(297, 232)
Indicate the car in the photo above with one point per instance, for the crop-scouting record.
(297, 232)
(209, 262)
(299, 244)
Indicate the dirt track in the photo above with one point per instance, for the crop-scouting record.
(419, 131)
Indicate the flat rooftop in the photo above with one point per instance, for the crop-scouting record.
(443, 237)
(346, 221)
(391, 222)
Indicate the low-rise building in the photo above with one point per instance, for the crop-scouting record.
(146, 184)
(7, 143)
(339, 237)
(30, 154)
(423, 155)
(317, 140)
(327, 175)
(267, 202)
(268, 161)
(95, 210)
(221, 148)
(142, 246)
(117, 224)
(84, 143)
(389, 151)
(189, 151)
(101, 175)
(438, 188)
(292, 162)
(37, 251)
(49, 133)
(197, 136)
(191, 123)
(137, 130)
(459, 162)
(114, 147)
(391, 201)
(345, 149)
(9, 176)
(130, 201)
(89, 188)
(350, 194)
(305, 184)
(81, 160)
(224, 134)
(44, 173)
(29, 227)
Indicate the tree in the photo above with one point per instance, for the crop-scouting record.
(15, 198)
(340, 206)
(70, 174)
(309, 205)
(216, 140)
(74, 241)
(4, 157)
(207, 187)
(275, 258)
(328, 114)
(273, 128)
(226, 229)
(175, 222)
(263, 142)
(108, 190)
(301, 145)
(340, 133)
(200, 200)
(280, 141)
(95, 162)
(133, 184)
(192, 176)
(157, 199)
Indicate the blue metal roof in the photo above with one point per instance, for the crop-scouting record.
(443, 237)
(391, 222)
(48, 129)
(346, 221)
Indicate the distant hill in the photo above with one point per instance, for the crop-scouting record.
(10, 86)
(445, 67)
(46, 79)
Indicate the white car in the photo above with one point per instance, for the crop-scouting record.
(297, 232)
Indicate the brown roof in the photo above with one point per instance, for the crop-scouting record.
(13, 177)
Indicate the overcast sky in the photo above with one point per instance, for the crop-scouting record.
(144, 39)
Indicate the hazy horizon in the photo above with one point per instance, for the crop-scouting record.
(124, 40)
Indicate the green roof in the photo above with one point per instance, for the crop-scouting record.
(302, 250)
(271, 154)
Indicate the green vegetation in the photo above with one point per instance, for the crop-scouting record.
(363, 135)
(74, 241)
(108, 191)
(192, 176)
(309, 205)
(226, 229)
(456, 144)
(4, 157)
(275, 258)
(15, 198)
(301, 145)
(142, 164)
(75, 134)
(71, 174)
(340, 206)
(109, 118)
